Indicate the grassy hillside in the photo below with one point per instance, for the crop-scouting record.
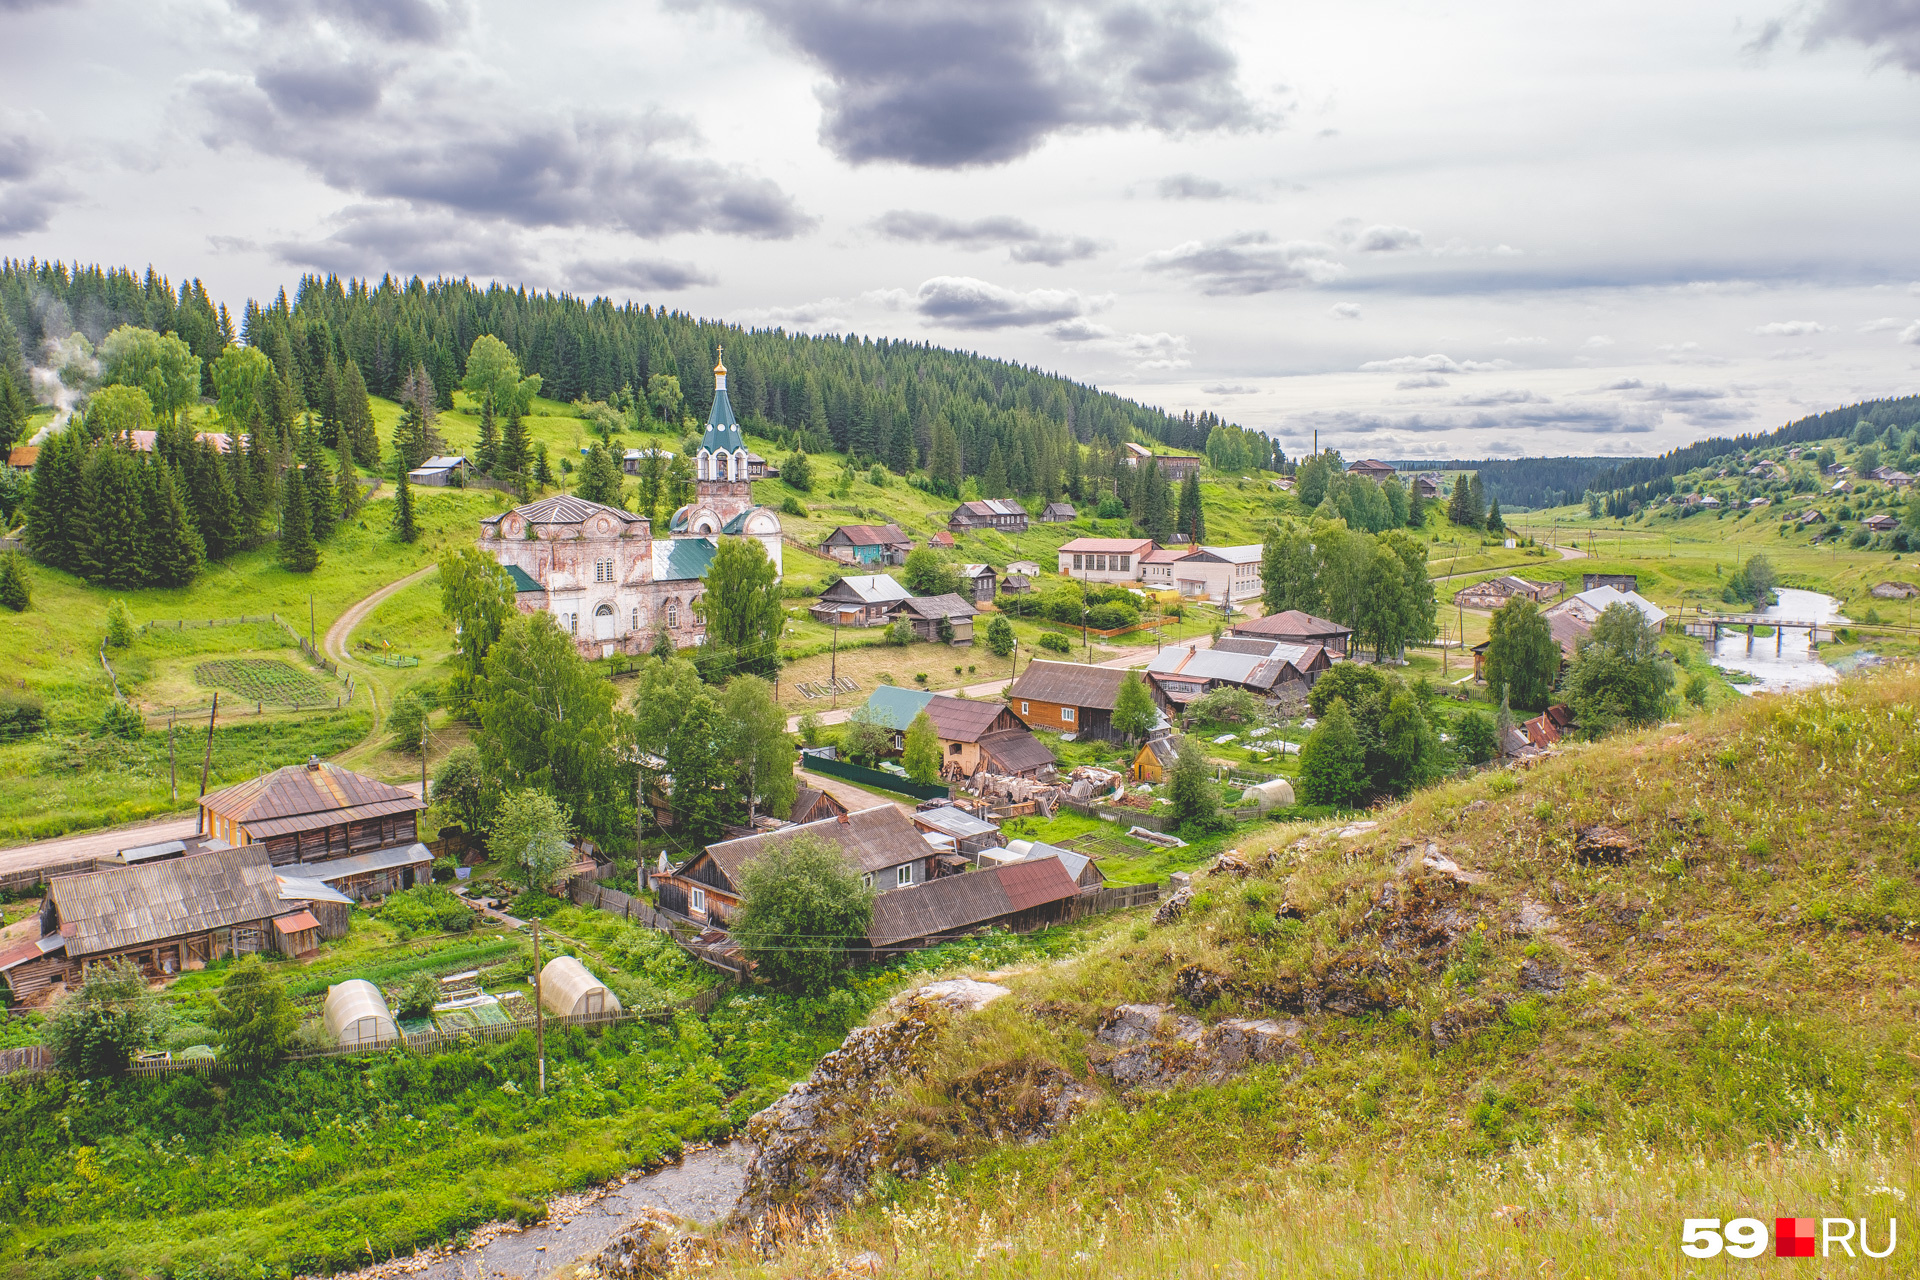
(1540, 1072)
(73, 779)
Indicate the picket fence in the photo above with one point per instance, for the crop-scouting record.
(1117, 898)
(1126, 817)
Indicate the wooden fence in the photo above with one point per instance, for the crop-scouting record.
(1125, 816)
(588, 892)
(40, 875)
(314, 655)
(1117, 898)
(34, 1057)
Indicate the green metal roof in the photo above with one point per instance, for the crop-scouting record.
(894, 707)
(723, 432)
(687, 559)
(522, 580)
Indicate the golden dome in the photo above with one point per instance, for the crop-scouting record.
(720, 361)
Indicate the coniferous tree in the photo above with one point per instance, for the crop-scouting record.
(410, 447)
(403, 523)
(513, 448)
(1494, 523)
(994, 483)
(1192, 520)
(1476, 502)
(253, 486)
(356, 416)
(15, 591)
(542, 470)
(173, 550)
(216, 509)
(298, 551)
(600, 479)
(1153, 508)
(347, 486)
(1076, 479)
(54, 502)
(114, 508)
(14, 412)
(323, 511)
(488, 450)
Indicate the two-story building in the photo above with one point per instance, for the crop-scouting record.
(1294, 627)
(1176, 467)
(1104, 559)
(1222, 575)
(866, 600)
(1371, 468)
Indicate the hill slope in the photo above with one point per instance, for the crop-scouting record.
(1672, 978)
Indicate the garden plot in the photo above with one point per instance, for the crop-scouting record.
(263, 680)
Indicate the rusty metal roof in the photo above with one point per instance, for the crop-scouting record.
(302, 797)
(963, 901)
(1036, 881)
(127, 906)
(962, 719)
(872, 840)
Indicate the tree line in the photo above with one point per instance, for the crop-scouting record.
(1376, 584)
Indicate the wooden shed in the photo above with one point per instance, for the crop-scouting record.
(568, 989)
(356, 1015)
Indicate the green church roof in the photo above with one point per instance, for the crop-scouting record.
(723, 432)
(687, 559)
(522, 580)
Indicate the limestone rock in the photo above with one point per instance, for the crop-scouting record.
(655, 1245)
(1534, 917)
(1230, 863)
(1149, 1046)
(1199, 986)
(962, 995)
(1174, 907)
(1541, 979)
(1602, 843)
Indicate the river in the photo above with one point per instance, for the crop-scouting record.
(703, 1187)
(1797, 664)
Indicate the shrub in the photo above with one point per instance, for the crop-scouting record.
(1112, 617)
(792, 506)
(121, 721)
(407, 719)
(98, 1029)
(900, 633)
(254, 1016)
(427, 908)
(418, 997)
(1474, 735)
(119, 624)
(21, 714)
(1054, 642)
(999, 636)
(804, 888)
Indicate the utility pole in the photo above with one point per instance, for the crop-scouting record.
(173, 774)
(423, 759)
(539, 1011)
(206, 762)
(833, 668)
(311, 644)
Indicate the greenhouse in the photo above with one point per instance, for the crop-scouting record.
(357, 1015)
(568, 989)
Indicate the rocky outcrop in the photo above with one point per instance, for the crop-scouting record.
(819, 1147)
(1149, 1046)
(1604, 844)
(1174, 907)
(654, 1245)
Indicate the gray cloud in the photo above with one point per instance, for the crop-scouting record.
(945, 86)
(528, 168)
(1789, 328)
(1249, 262)
(1228, 389)
(1889, 27)
(29, 193)
(653, 275)
(1420, 381)
(413, 21)
(1191, 186)
(369, 239)
(1595, 419)
(1384, 239)
(962, 302)
(320, 91)
(1024, 241)
(1435, 363)
(1344, 311)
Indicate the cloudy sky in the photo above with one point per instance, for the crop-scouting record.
(1423, 229)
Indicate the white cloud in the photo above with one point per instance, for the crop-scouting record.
(1389, 239)
(1881, 325)
(1790, 328)
(1597, 341)
(1435, 363)
(1422, 380)
(1344, 311)
(1229, 389)
(1688, 353)
(1911, 333)
(1523, 342)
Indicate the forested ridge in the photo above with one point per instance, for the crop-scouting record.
(1902, 411)
(881, 399)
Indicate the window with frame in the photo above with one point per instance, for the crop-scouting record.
(866, 881)
(673, 616)
(1025, 709)
(903, 876)
(953, 748)
(573, 624)
(1099, 564)
(1079, 560)
(1122, 566)
(636, 621)
(1066, 714)
(697, 899)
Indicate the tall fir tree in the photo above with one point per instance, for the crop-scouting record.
(1076, 479)
(1192, 520)
(410, 438)
(210, 496)
(487, 453)
(347, 487)
(1476, 502)
(56, 501)
(14, 412)
(173, 552)
(404, 527)
(1153, 506)
(994, 483)
(114, 510)
(356, 416)
(513, 447)
(298, 551)
(323, 509)
(16, 593)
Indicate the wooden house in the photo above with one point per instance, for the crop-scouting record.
(1618, 581)
(312, 812)
(969, 834)
(1371, 468)
(1181, 674)
(973, 735)
(1021, 896)
(989, 513)
(165, 917)
(1495, 592)
(810, 805)
(1067, 697)
(983, 582)
(867, 600)
(1176, 467)
(1016, 584)
(1427, 485)
(1155, 759)
(449, 471)
(1058, 513)
(941, 541)
(1295, 627)
(924, 613)
(880, 843)
(867, 544)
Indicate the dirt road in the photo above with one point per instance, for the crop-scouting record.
(335, 642)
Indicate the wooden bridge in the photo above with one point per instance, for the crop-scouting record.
(1710, 625)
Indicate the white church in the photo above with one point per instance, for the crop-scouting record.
(603, 575)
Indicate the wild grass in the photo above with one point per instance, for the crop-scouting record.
(1734, 1036)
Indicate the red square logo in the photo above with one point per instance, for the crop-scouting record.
(1793, 1237)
